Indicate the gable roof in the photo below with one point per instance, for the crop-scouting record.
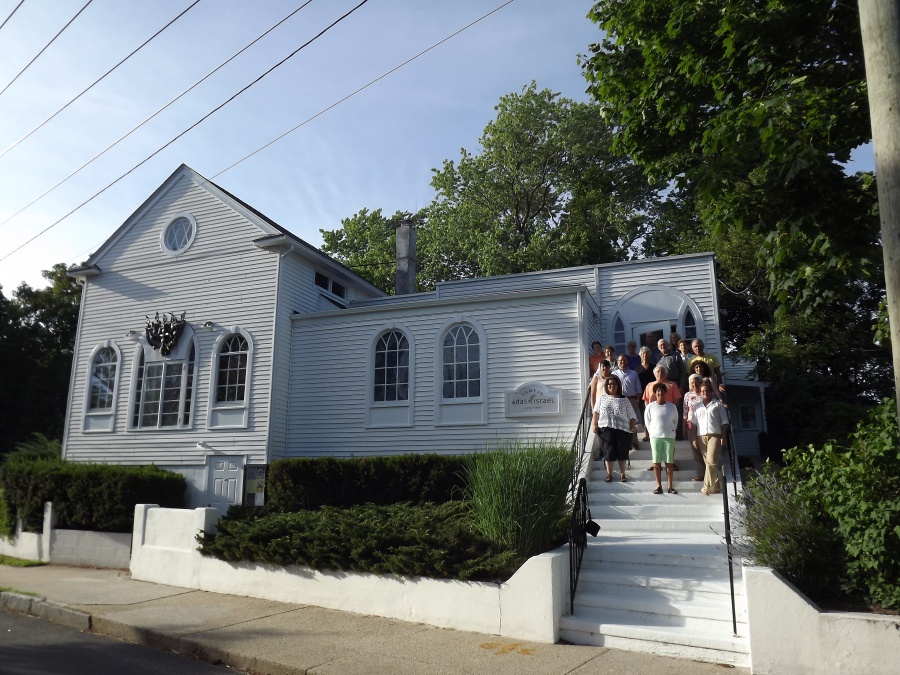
(272, 233)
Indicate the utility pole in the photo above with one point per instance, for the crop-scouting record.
(880, 23)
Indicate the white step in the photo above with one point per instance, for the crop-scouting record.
(669, 641)
(710, 619)
(612, 579)
(701, 549)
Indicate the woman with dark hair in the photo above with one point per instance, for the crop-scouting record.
(702, 369)
(614, 423)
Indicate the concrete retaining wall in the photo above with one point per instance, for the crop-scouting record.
(69, 547)
(90, 549)
(789, 634)
(528, 606)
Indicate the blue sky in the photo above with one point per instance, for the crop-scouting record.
(375, 150)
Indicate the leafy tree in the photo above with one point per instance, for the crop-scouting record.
(544, 191)
(37, 338)
(756, 106)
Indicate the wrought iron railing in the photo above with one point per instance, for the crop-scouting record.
(580, 524)
(579, 444)
(732, 456)
(577, 537)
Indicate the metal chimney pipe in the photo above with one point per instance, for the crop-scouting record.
(405, 277)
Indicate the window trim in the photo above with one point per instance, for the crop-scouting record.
(477, 405)
(621, 347)
(214, 407)
(142, 350)
(743, 422)
(375, 410)
(162, 235)
(107, 413)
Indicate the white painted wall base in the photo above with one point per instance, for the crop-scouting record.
(69, 547)
(527, 607)
(91, 549)
(789, 634)
(24, 545)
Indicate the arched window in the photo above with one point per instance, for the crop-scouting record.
(619, 335)
(103, 379)
(163, 393)
(231, 369)
(391, 377)
(230, 381)
(461, 363)
(104, 369)
(690, 325)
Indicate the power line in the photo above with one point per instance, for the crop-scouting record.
(144, 44)
(123, 137)
(46, 45)
(195, 124)
(11, 14)
(362, 88)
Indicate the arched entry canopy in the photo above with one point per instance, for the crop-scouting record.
(649, 313)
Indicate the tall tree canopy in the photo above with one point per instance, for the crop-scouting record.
(755, 106)
(37, 339)
(545, 190)
(750, 110)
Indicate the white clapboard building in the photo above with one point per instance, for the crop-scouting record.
(212, 341)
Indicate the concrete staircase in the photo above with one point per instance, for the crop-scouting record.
(656, 578)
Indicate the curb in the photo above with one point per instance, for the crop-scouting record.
(44, 609)
(191, 648)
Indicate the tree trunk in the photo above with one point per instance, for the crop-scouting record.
(880, 23)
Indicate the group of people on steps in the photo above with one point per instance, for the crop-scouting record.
(674, 394)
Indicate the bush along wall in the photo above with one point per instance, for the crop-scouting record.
(307, 484)
(99, 497)
(830, 520)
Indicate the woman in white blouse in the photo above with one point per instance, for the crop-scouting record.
(614, 423)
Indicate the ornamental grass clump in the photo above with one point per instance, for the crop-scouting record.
(518, 495)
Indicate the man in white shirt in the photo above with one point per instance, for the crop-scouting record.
(631, 389)
(709, 435)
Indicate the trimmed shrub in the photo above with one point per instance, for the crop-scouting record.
(518, 495)
(307, 484)
(433, 540)
(98, 497)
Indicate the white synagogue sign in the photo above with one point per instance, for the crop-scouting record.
(533, 398)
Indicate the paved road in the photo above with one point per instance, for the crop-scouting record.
(29, 646)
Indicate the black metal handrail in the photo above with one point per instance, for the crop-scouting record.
(728, 545)
(579, 443)
(580, 521)
(577, 537)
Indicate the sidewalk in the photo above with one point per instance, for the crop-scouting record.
(280, 638)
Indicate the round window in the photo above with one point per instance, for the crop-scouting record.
(179, 234)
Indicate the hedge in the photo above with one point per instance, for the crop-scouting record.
(99, 497)
(433, 540)
(308, 484)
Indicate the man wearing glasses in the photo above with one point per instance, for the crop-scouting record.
(631, 389)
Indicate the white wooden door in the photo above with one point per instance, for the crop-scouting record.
(225, 477)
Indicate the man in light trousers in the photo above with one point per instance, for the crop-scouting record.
(709, 435)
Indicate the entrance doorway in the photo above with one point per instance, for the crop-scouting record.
(225, 473)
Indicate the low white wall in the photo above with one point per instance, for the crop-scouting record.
(789, 634)
(91, 549)
(31, 545)
(528, 606)
(24, 545)
(69, 547)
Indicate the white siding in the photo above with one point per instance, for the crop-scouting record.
(693, 275)
(221, 278)
(528, 339)
(574, 276)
